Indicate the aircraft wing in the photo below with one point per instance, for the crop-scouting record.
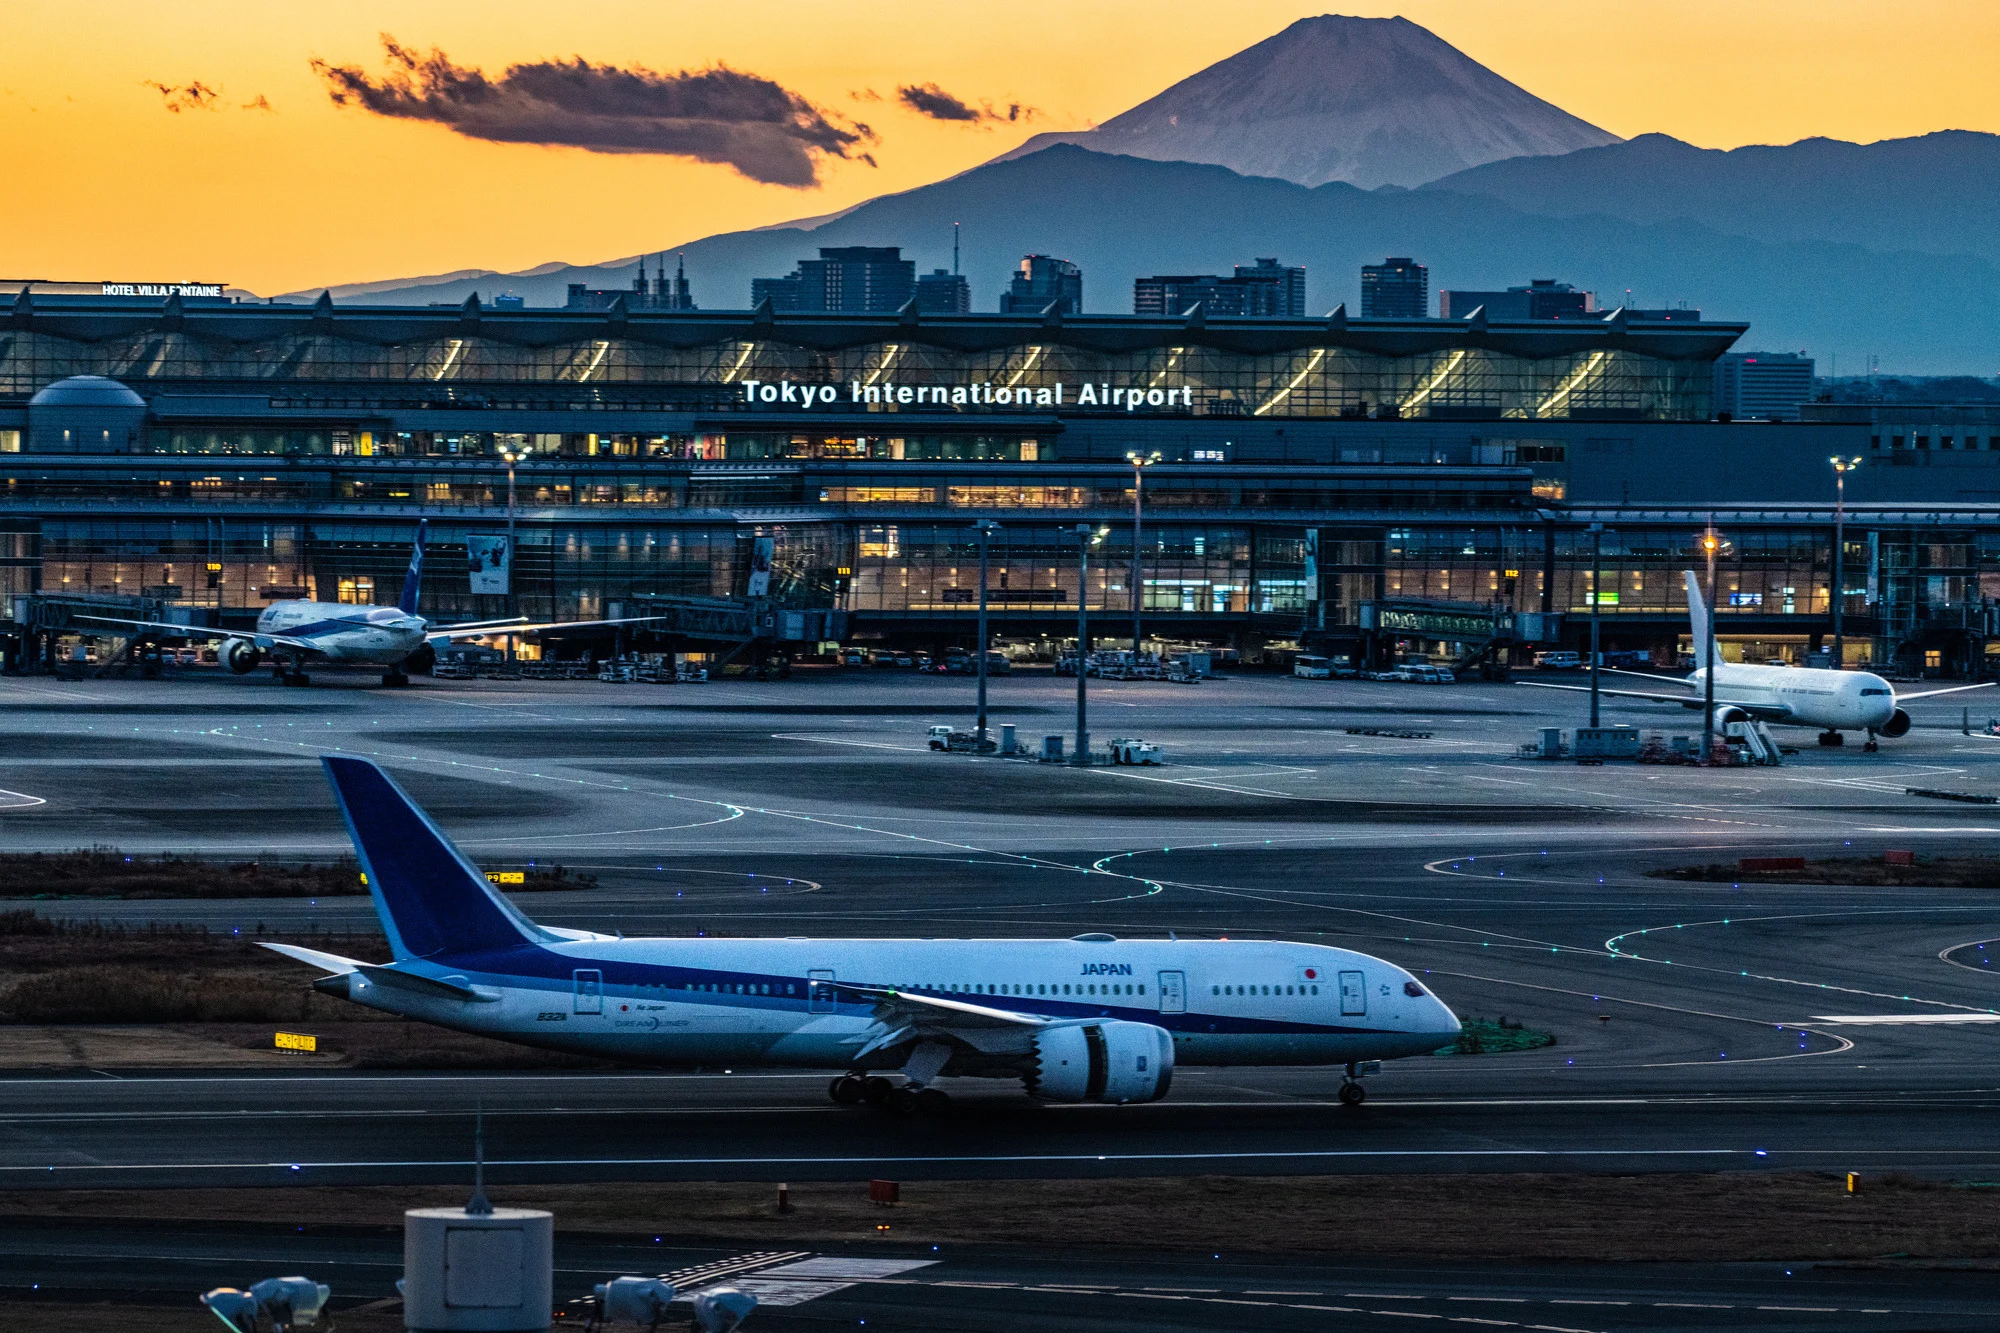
(1770, 712)
(1681, 681)
(265, 641)
(903, 1017)
(472, 631)
(1949, 689)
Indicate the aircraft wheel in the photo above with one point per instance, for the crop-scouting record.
(1832, 738)
(1871, 747)
(903, 1101)
(1352, 1094)
(875, 1090)
(933, 1101)
(846, 1090)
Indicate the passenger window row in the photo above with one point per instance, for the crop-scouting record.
(1263, 990)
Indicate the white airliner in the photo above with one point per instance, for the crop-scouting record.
(1088, 1019)
(395, 637)
(1834, 701)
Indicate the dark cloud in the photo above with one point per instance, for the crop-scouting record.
(721, 115)
(927, 99)
(194, 96)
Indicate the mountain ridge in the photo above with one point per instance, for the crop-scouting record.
(1101, 211)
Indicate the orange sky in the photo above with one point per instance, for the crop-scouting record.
(102, 182)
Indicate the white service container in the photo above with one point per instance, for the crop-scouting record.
(478, 1272)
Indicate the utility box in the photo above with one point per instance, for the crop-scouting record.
(1551, 746)
(1607, 743)
(478, 1272)
(1009, 742)
(1052, 749)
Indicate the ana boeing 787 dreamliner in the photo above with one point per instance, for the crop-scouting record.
(1088, 1019)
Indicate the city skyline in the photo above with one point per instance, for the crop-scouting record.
(201, 143)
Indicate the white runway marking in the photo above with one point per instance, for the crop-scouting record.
(19, 800)
(1896, 1020)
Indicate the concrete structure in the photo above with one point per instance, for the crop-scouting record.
(1042, 281)
(1763, 386)
(1543, 298)
(849, 278)
(942, 293)
(1266, 289)
(1397, 288)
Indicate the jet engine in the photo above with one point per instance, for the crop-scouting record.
(241, 656)
(1725, 714)
(1897, 725)
(1111, 1061)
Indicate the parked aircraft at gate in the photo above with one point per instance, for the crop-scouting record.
(395, 637)
(1088, 1019)
(1834, 701)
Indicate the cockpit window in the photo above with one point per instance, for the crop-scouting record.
(1867, 690)
(1413, 990)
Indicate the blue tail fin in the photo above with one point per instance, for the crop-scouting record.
(413, 581)
(432, 901)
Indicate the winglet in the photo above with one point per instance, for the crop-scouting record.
(414, 580)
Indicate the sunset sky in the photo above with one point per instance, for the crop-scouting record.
(260, 180)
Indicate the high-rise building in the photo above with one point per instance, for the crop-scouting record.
(1397, 288)
(851, 277)
(1543, 298)
(1266, 289)
(1041, 281)
(942, 293)
(1287, 283)
(1762, 386)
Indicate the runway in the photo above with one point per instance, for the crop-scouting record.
(899, 1287)
(895, 1288)
(1699, 1025)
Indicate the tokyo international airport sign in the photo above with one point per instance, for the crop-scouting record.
(983, 395)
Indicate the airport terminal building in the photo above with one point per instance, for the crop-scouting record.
(1360, 483)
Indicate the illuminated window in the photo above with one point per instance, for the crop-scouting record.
(358, 591)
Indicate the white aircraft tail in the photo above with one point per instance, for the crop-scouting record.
(1698, 617)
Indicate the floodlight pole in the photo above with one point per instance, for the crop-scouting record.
(1596, 600)
(985, 527)
(1709, 544)
(1140, 462)
(513, 597)
(1841, 467)
(1084, 533)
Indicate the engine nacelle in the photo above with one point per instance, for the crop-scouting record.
(1112, 1061)
(241, 656)
(1897, 725)
(1725, 714)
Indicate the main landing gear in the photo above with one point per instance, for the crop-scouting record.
(395, 678)
(1351, 1091)
(1832, 738)
(876, 1091)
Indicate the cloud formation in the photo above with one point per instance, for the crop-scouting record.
(763, 130)
(927, 99)
(192, 96)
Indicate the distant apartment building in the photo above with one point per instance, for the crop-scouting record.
(1265, 289)
(1762, 386)
(943, 293)
(1397, 288)
(850, 277)
(1041, 281)
(656, 293)
(1543, 298)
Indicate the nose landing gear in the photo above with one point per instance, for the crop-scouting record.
(1871, 747)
